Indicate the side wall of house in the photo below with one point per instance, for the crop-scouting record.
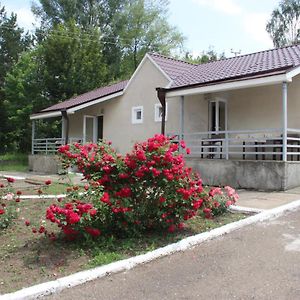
(117, 113)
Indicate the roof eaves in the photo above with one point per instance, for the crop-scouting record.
(232, 79)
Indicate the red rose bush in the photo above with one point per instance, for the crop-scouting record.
(150, 188)
(9, 199)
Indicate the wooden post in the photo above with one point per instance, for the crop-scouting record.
(161, 94)
(284, 121)
(32, 136)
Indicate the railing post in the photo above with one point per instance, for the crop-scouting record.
(284, 121)
(32, 136)
(46, 146)
(226, 145)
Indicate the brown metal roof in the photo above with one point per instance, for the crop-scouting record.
(172, 67)
(260, 63)
(88, 97)
(184, 74)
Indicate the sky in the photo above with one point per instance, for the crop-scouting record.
(222, 24)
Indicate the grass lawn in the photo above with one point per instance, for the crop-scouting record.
(14, 162)
(27, 259)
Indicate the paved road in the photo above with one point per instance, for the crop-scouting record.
(257, 262)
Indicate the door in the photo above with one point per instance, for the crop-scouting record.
(100, 128)
(217, 116)
(90, 129)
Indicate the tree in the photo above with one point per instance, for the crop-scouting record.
(205, 56)
(284, 24)
(129, 28)
(145, 29)
(13, 42)
(68, 62)
(73, 61)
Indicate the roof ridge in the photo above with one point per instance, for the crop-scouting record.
(253, 53)
(172, 58)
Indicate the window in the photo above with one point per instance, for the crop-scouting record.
(158, 112)
(137, 115)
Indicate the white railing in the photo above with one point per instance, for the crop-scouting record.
(260, 144)
(50, 145)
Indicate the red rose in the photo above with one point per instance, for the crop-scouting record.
(93, 231)
(19, 193)
(42, 229)
(105, 198)
(93, 212)
(10, 179)
(2, 211)
(172, 228)
(27, 222)
(48, 182)
(73, 218)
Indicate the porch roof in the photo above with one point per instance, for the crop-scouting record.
(103, 93)
(259, 64)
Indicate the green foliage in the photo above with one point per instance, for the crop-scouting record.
(12, 43)
(284, 24)
(129, 28)
(144, 28)
(206, 56)
(68, 62)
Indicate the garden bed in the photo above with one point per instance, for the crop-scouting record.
(27, 259)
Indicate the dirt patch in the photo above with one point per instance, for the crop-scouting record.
(27, 259)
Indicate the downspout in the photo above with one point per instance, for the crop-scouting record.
(66, 118)
(161, 95)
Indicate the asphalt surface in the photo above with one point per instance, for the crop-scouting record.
(261, 261)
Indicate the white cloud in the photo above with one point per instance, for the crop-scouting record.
(25, 17)
(229, 7)
(254, 25)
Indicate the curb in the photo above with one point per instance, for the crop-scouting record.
(244, 209)
(58, 285)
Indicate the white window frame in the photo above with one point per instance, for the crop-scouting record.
(134, 120)
(210, 117)
(157, 117)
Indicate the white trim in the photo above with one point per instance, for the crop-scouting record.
(147, 56)
(229, 86)
(96, 101)
(45, 115)
(293, 73)
(157, 118)
(134, 120)
(76, 108)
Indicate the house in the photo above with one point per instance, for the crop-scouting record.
(239, 116)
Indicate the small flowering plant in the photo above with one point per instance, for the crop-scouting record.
(9, 199)
(149, 188)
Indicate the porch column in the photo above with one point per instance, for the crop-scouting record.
(284, 121)
(32, 136)
(65, 125)
(181, 118)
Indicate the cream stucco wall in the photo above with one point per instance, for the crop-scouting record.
(117, 124)
(248, 109)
